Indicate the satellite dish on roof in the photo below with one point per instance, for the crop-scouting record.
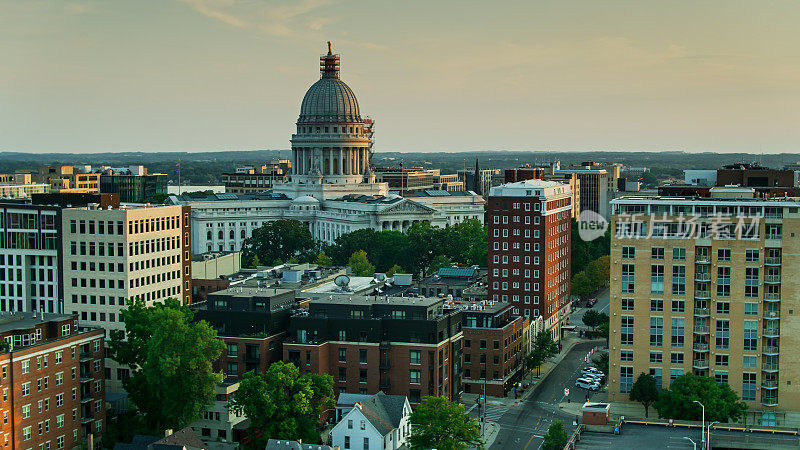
(342, 281)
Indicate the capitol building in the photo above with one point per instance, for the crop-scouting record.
(332, 187)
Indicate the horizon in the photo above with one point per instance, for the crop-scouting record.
(202, 76)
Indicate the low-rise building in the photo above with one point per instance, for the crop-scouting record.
(495, 345)
(217, 424)
(377, 423)
(254, 179)
(453, 281)
(402, 346)
(52, 381)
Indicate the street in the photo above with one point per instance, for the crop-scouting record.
(523, 425)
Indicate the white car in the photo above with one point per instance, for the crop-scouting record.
(587, 383)
(593, 376)
(592, 371)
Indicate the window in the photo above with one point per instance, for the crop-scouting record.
(656, 279)
(723, 281)
(748, 386)
(676, 358)
(674, 374)
(233, 369)
(656, 331)
(366, 443)
(26, 389)
(628, 252)
(656, 373)
(751, 309)
(233, 350)
(627, 304)
(679, 280)
(678, 306)
(26, 433)
(656, 304)
(414, 376)
(751, 282)
(750, 335)
(723, 254)
(415, 356)
(347, 442)
(722, 335)
(677, 332)
(656, 358)
(751, 255)
(628, 275)
(60, 421)
(59, 399)
(626, 330)
(626, 355)
(26, 411)
(723, 307)
(342, 355)
(625, 379)
(362, 356)
(679, 253)
(25, 366)
(749, 361)
(657, 253)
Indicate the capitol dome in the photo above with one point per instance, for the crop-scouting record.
(329, 99)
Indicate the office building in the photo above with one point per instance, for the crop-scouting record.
(406, 179)
(704, 291)
(67, 179)
(133, 184)
(595, 193)
(247, 180)
(113, 255)
(52, 381)
(401, 346)
(529, 249)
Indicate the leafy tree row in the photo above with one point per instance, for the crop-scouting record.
(678, 402)
(584, 252)
(422, 249)
(542, 349)
(596, 275)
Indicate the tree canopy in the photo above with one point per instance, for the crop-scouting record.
(580, 285)
(677, 402)
(593, 319)
(171, 359)
(584, 252)
(283, 404)
(556, 437)
(444, 425)
(360, 265)
(542, 349)
(644, 391)
(280, 240)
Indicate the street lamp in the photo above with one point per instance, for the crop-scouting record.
(702, 426)
(708, 433)
(693, 442)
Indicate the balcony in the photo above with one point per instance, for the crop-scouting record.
(702, 295)
(701, 312)
(771, 350)
(700, 347)
(772, 297)
(769, 384)
(86, 397)
(702, 277)
(772, 279)
(771, 332)
(87, 419)
(701, 364)
(769, 400)
(772, 261)
(86, 377)
(769, 367)
(772, 316)
(252, 357)
(701, 329)
(702, 259)
(86, 356)
(773, 237)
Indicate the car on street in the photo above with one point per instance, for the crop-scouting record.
(586, 383)
(592, 370)
(591, 302)
(593, 376)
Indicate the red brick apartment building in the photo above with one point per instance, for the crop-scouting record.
(52, 382)
(399, 345)
(495, 344)
(529, 249)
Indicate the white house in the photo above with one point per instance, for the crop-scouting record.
(378, 423)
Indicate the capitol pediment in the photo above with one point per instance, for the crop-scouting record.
(408, 206)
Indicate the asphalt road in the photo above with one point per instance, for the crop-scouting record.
(523, 426)
(602, 305)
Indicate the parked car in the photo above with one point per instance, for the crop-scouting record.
(591, 302)
(586, 383)
(593, 376)
(592, 370)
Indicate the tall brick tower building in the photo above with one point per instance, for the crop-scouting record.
(529, 249)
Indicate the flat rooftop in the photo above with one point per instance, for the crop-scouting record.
(361, 300)
(251, 291)
(356, 286)
(654, 436)
(24, 321)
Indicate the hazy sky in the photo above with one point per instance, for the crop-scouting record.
(207, 75)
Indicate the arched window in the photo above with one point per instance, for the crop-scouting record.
(219, 234)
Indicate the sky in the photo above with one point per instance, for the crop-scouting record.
(436, 76)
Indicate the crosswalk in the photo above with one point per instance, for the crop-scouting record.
(495, 412)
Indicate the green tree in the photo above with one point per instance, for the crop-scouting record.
(599, 271)
(438, 262)
(556, 437)
(580, 285)
(542, 349)
(277, 262)
(323, 260)
(602, 330)
(360, 265)
(255, 262)
(172, 357)
(283, 404)
(601, 362)
(393, 270)
(424, 243)
(720, 401)
(444, 425)
(644, 391)
(591, 319)
(280, 239)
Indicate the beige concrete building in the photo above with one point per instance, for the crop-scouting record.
(698, 286)
(112, 255)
